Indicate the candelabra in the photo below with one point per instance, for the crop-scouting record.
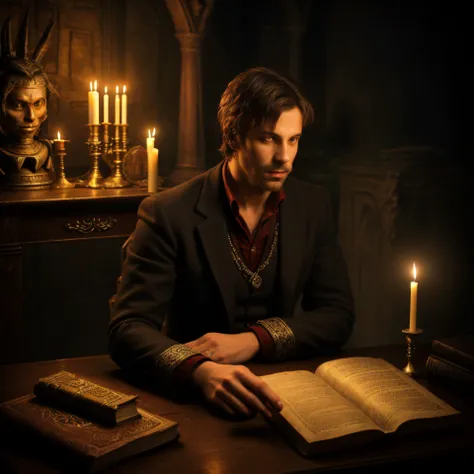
(117, 178)
(410, 336)
(60, 151)
(94, 177)
(106, 142)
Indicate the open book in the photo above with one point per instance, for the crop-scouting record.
(352, 401)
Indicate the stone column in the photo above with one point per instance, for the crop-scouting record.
(189, 18)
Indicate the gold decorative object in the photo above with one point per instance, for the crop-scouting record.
(90, 225)
(94, 177)
(410, 336)
(25, 160)
(60, 151)
(117, 178)
(106, 143)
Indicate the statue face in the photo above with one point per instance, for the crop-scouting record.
(25, 111)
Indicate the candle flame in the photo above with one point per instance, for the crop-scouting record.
(105, 90)
(414, 271)
(59, 135)
(91, 85)
(116, 89)
(124, 89)
(154, 131)
(95, 85)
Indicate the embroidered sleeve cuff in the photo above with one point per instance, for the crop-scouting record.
(283, 337)
(267, 347)
(172, 357)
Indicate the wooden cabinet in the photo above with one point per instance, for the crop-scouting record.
(59, 263)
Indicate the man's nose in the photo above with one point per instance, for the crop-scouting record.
(29, 114)
(283, 153)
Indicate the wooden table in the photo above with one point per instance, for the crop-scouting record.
(211, 445)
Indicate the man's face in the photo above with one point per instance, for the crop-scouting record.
(25, 111)
(266, 157)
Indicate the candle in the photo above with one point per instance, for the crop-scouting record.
(153, 170)
(106, 106)
(59, 144)
(117, 106)
(124, 105)
(413, 300)
(150, 141)
(90, 103)
(95, 105)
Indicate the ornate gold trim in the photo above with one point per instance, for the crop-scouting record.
(90, 225)
(170, 358)
(282, 336)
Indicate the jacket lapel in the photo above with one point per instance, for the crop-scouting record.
(213, 235)
(292, 246)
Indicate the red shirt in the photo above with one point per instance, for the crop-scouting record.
(251, 248)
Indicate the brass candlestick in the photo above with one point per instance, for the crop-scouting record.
(106, 142)
(94, 178)
(117, 178)
(61, 181)
(410, 336)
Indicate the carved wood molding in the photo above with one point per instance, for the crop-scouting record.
(86, 226)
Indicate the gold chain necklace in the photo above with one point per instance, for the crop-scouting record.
(253, 277)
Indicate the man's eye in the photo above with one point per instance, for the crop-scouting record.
(267, 139)
(17, 105)
(38, 103)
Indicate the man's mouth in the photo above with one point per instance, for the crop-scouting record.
(276, 173)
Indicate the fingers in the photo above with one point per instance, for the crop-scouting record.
(245, 397)
(266, 396)
(233, 403)
(192, 344)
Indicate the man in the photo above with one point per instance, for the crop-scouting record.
(241, 261)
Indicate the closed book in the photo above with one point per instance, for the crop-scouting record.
(458, 349)
(82, 397)
(85, 445)
(449, 373)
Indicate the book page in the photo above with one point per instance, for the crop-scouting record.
(314, 408)
(384, 392)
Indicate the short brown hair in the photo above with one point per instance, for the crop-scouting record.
(252, 98)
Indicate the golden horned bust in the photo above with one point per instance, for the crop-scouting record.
(25, 159)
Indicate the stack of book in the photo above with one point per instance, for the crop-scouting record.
(89, 424)
(451, 362)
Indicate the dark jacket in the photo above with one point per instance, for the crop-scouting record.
(178, 260)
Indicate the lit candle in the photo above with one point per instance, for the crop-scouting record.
(106, 106)
(95, 105)
(153, 170)
(90, 103)
(413, 300)
(59, 144)
(117, 106)
(150, 141)
(124, 105)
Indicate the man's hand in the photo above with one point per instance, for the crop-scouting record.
(227, 348)
(236, 389)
